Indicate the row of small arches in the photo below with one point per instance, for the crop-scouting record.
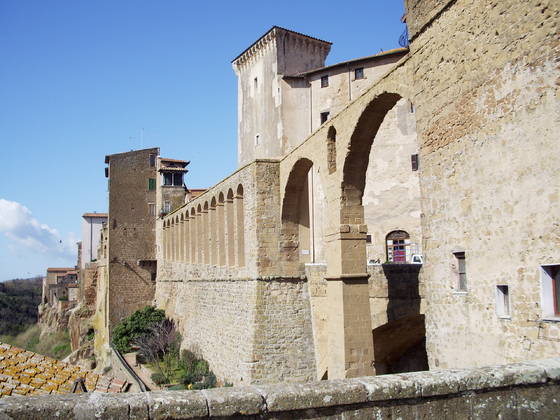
(209, 233)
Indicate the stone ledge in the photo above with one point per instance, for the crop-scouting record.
(407, 389)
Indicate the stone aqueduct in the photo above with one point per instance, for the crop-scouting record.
(223, 233)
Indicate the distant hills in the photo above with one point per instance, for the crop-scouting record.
(19, 299)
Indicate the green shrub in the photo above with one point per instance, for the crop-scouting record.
(134, 326)
(197, 373)
(159, 378)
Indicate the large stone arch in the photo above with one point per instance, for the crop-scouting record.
(356, 162)
(291, 218)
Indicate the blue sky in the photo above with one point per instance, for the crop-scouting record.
(81, 79)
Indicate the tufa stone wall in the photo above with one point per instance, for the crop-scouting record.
(131, 232)
(522, 391)
(486, 92)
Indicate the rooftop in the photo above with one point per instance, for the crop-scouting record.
(186, 162)
(100, 215)
(279, 28)
(395, 51)
(60, 269)
(26, 373)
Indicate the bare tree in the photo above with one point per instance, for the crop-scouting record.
(158, 345)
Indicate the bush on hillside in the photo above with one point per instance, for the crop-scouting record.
(19, 300)
(136, 325)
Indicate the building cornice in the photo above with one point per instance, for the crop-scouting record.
(268, 38)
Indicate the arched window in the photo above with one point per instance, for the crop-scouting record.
(398, 247)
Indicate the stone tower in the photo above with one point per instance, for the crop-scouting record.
(267, 93)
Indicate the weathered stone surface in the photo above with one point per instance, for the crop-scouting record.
(101, 406)
(538, 403)
(386, 387)
(285, 397)
(177, 405)
(243, 400)
(39, 407)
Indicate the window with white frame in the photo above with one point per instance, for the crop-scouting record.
(502, 301)
(550, 291)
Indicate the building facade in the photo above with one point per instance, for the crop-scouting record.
(444, 152)
(91, 232)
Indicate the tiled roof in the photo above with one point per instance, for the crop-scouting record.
(60, 269)
(26, 373)
(100, 215)
(186, 162)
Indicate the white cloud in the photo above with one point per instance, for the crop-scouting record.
(18, 224)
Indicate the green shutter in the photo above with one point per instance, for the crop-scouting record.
(151, 184)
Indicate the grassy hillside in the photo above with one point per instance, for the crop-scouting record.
(55, 345)
(18, 304)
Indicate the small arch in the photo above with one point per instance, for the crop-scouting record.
(193, 235)
(199, 234)
(240, 215)
(230, 229)
(212, 234)
(205, 233)
(221, 228)
(331, 149)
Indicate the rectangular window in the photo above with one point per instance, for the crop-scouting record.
(502, 301)
(324, 117)
(550, 290)
(152, 160)
(359, 73)
(151, 184)
(414, 162)
(461, 271)
(152, 209)
(167, 206)
(178, 180)
(368, 239)
(167, 178)
(324, 81)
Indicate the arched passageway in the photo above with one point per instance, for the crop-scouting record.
(302, 237)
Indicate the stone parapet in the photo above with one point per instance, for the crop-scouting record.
(516, 391)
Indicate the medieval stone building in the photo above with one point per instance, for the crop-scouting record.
(441, 154)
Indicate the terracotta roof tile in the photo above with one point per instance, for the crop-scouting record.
(26, 373)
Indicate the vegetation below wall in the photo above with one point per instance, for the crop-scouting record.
(135, 326)
(19, 300)
(56, 345)
(158, 345)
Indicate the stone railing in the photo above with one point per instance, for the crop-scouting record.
(516, 391)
